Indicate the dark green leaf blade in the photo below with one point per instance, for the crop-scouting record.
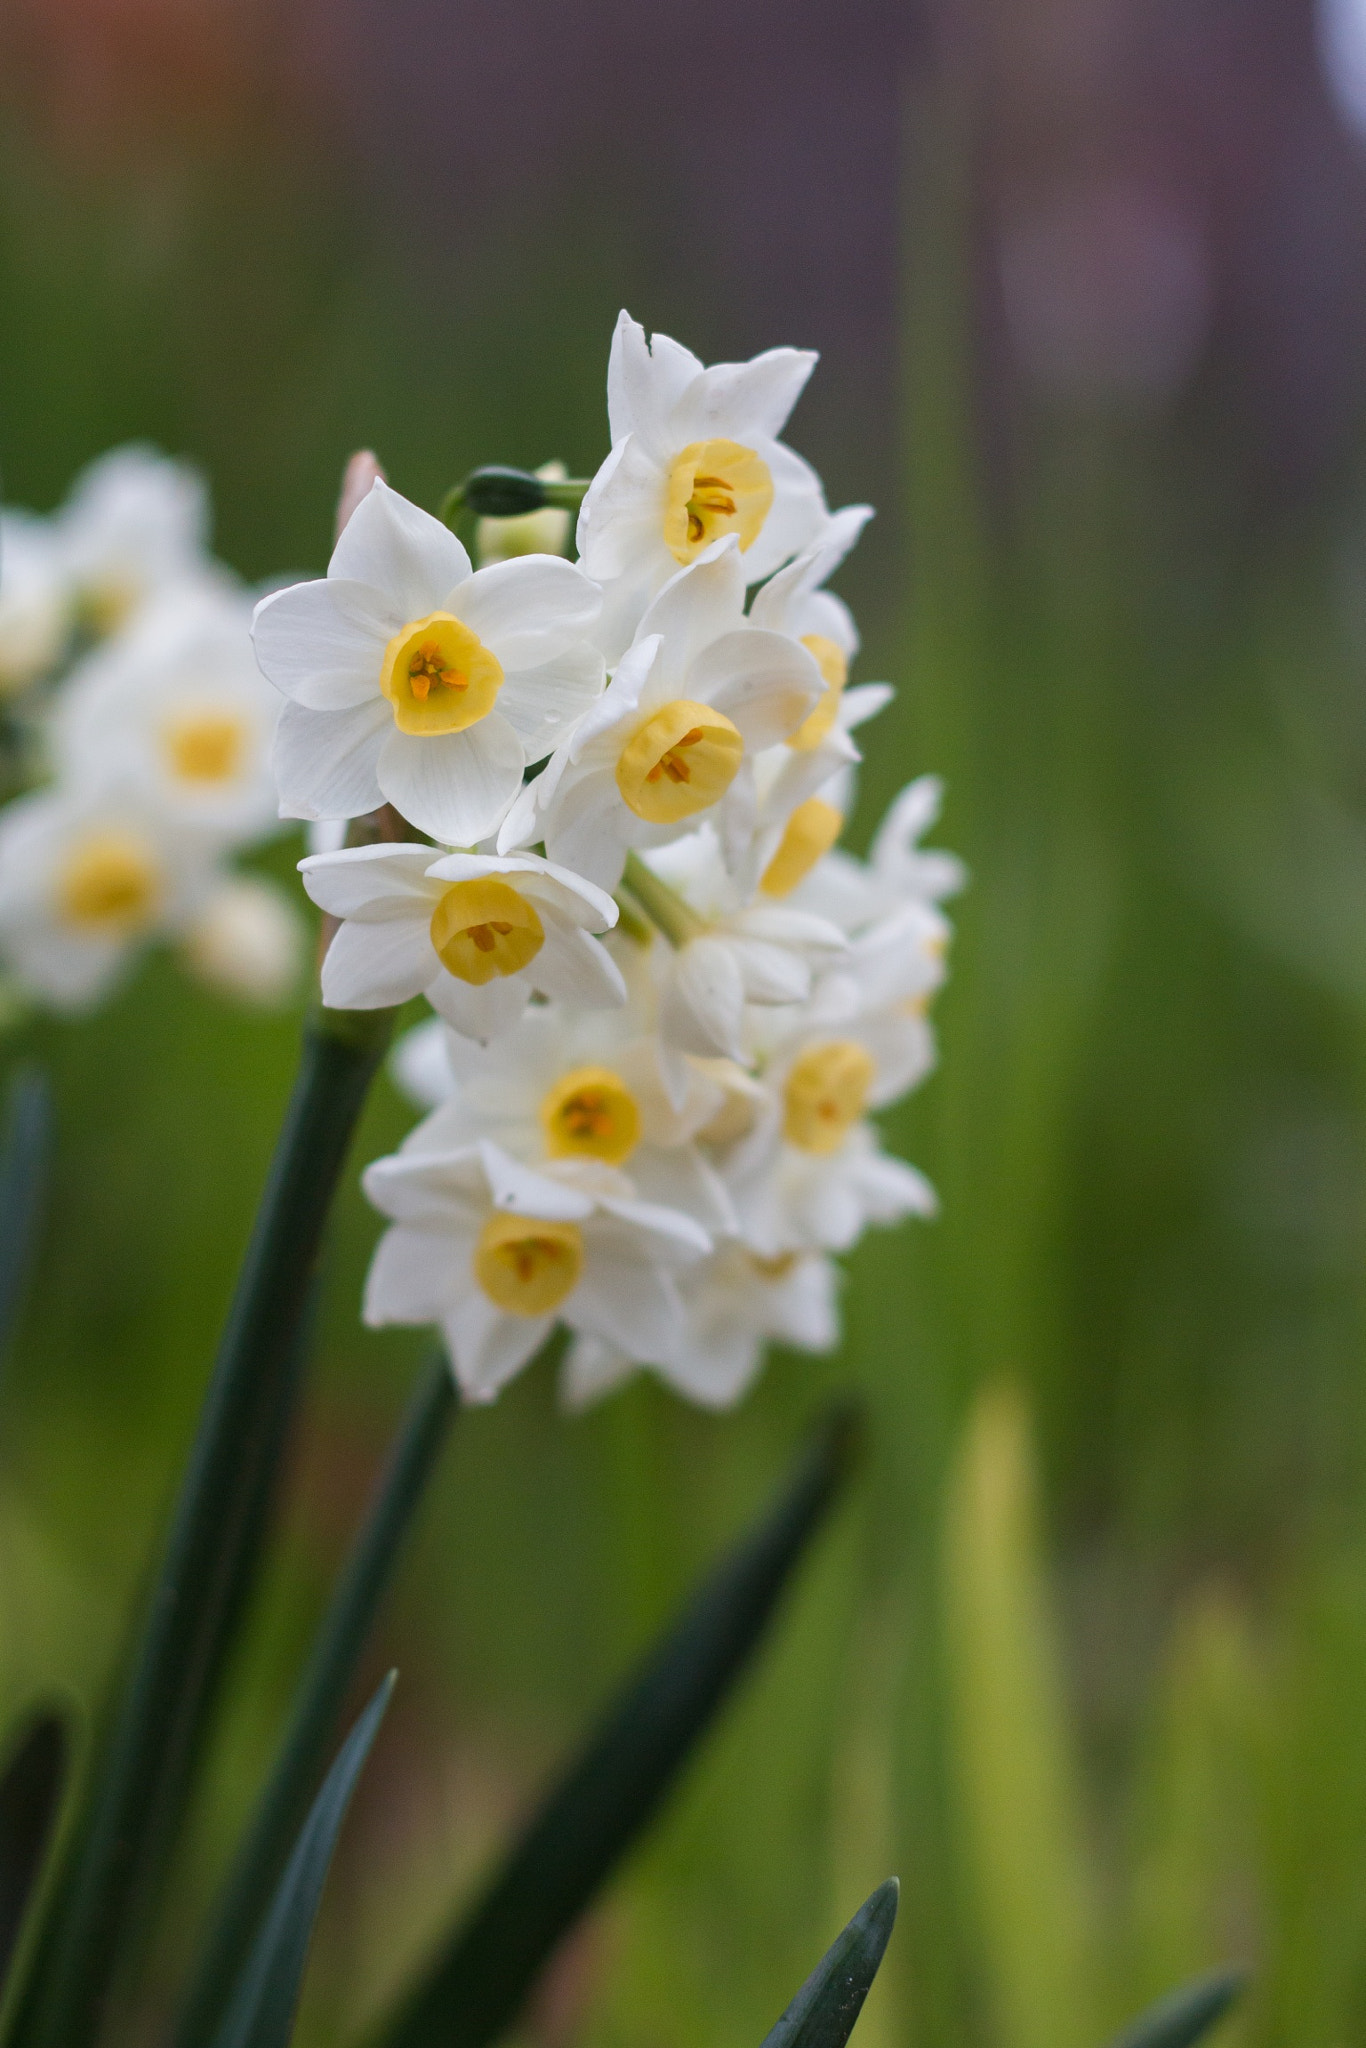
(611, 1790)
(318, 1701)
(823, 2013)
(267, 1997)
(24, 1159)
(30, 1795)
(1180, 2018)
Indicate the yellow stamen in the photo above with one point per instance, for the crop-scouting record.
(775, 1268)
(439, 676)
(829, 659)
(681, 761)
(526, 1265)
(204, 746)
(482, 929)
(591, 1114)
(715, 488)
(810, 832)
(110, 884)
(826, 1092)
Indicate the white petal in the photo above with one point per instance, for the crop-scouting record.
(764, 682)
(419, 1065)
(582, 830)
(543, 705)
(489, 1348)
(592, 1367)
(324, 762)
(698, 604)
(631, 1303)
(533, 594)
(678, 1177)
(621, 519)
(702, 1001)
(576, 968)
(323, 643)
(480, 1013)
(772, 974)
(798, 513)
(416, 1275)
(645, 383)
(375, 966)
(457, 785)
(857, 706)
(402, 551)
(522, 1192)
(378, 881)
(744, 402)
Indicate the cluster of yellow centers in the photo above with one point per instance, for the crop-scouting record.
(485, 928)
(826, 1094)
(204, 746)
(439, 676)
(715, 488)
(526, 1265)
(110, 884)
(682, 760)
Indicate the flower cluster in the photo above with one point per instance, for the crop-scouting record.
(666, 1002)
(135, 737)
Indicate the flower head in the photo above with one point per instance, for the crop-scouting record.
(35, 600)
(414, 680)
(136, 523)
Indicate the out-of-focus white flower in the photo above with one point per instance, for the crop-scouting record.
(176, 709)
(793, 602)
(813, 1176)
(734, 1303)
(35, 600)
(136, 522)
(496, 1252)
(86, 880)
(738, 954)
(476, 934)
(247, 941)
(565, 1086)
(695, 455)
(855, 894)
(698, 691)
(416, 681)
(528, 533)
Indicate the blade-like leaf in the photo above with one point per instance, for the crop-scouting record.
(330, 1669)
(823, 2013)
(267, 1996)
(24, 1159)
(162, 1705)
(609, 1793)
(1180, 2018)
(30, 1794)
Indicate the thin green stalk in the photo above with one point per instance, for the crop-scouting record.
(159, 1714)
(663, 906)
(298, 1767)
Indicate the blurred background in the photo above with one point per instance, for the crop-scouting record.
(1085, 1656)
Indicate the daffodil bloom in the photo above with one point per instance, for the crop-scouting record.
(567, 1086)
(497, 1252)
(176, 709)
(135, 524)
(695, 457)
(414, 680)
(86, 882)
(476, 934)
(697, 694)
(734, 1304)
(35, 600)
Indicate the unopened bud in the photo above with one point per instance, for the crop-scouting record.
(498, 493)
(247, 942)
(360, 473)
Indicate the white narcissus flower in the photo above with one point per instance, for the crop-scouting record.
(856, 894)
(792, 602)
(695, 456)
(734, 1303)
(698, 693)
(414, 680)
(564, 1086)
(176, 709)
(35, 600)
(136, 522)
(496, 1252)
(87, 880)
(246, 941)
(476, 934)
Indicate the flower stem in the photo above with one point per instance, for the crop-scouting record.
(161, 1711)
(663, 906)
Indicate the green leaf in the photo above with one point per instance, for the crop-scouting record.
(1180, 2018)
(30, 1794)
(24, 1159)
(267, 1997)
(610, 1792)
(318, 1701)
(162, 1706)
(823, 2013)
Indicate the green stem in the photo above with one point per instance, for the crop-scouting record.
(162, 1709)
(663, 906)
(303, 1753)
